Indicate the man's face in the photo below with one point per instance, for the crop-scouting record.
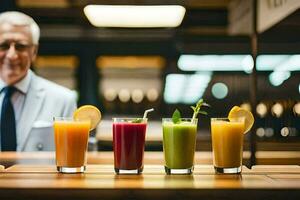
(16, 52)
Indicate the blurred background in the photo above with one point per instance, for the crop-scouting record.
(213, 53)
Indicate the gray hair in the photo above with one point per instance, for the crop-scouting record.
(21, 19)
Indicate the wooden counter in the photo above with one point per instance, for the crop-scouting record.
(33, 179)
(106, 157)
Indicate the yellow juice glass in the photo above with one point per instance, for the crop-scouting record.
(71, 141)
(227, 144)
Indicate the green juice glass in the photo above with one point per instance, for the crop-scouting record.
(179, 143)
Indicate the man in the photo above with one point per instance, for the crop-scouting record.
(28, 102)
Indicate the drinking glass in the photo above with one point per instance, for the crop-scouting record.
(179, 142)
(128, 144)
(71, 140)
(227, 144)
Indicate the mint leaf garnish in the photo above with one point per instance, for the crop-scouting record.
(176, 117)
(137, 120)
(197, 108)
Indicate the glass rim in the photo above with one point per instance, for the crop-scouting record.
(185, 118)
(224, 118)
(69, 119)
(130, 118)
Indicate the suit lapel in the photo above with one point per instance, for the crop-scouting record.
(32, 105)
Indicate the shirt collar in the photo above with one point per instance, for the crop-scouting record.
(22, 85)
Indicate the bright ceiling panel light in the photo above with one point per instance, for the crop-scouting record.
(269, 62)
(248, 64)
(216, 63)
(276, 78)
(278, 63)
(174, 87)
(239, 63)
(135, 16)
(290, 64)
(187, 89)
(196, 86)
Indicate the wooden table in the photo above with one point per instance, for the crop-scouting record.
(105, 157)
(35, 177)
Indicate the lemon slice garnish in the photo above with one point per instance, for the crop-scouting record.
(237, 112)
(88, 112)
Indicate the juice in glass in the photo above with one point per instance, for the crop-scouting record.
(71, 140)
(128, 144)
(227, 143)
(179, 142)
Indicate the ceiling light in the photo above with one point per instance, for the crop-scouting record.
(195, 88)
(219, 90)
(152, 94)
(261, 109)
(246, 106)
(285, 132)
(269, 132)
(248, 64)
(177, 81)
(278, 62)
(277, 110)
(276, 78)
(110, 94)
(297, 108)
(269, 62)
(134, 16)
(137, 95)
(189, 88)
(216, 63)
(239, 63)
(131, 62)
(43, 4)
(260, 132)
(124, 95)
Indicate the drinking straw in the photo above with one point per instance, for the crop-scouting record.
(146, 112)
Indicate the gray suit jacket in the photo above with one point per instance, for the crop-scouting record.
(44, 100)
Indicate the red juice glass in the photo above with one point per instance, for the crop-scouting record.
(129, 144)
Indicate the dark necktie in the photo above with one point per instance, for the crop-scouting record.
(8, 123)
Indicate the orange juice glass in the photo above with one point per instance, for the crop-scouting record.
(71, 140)
(227, 144)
